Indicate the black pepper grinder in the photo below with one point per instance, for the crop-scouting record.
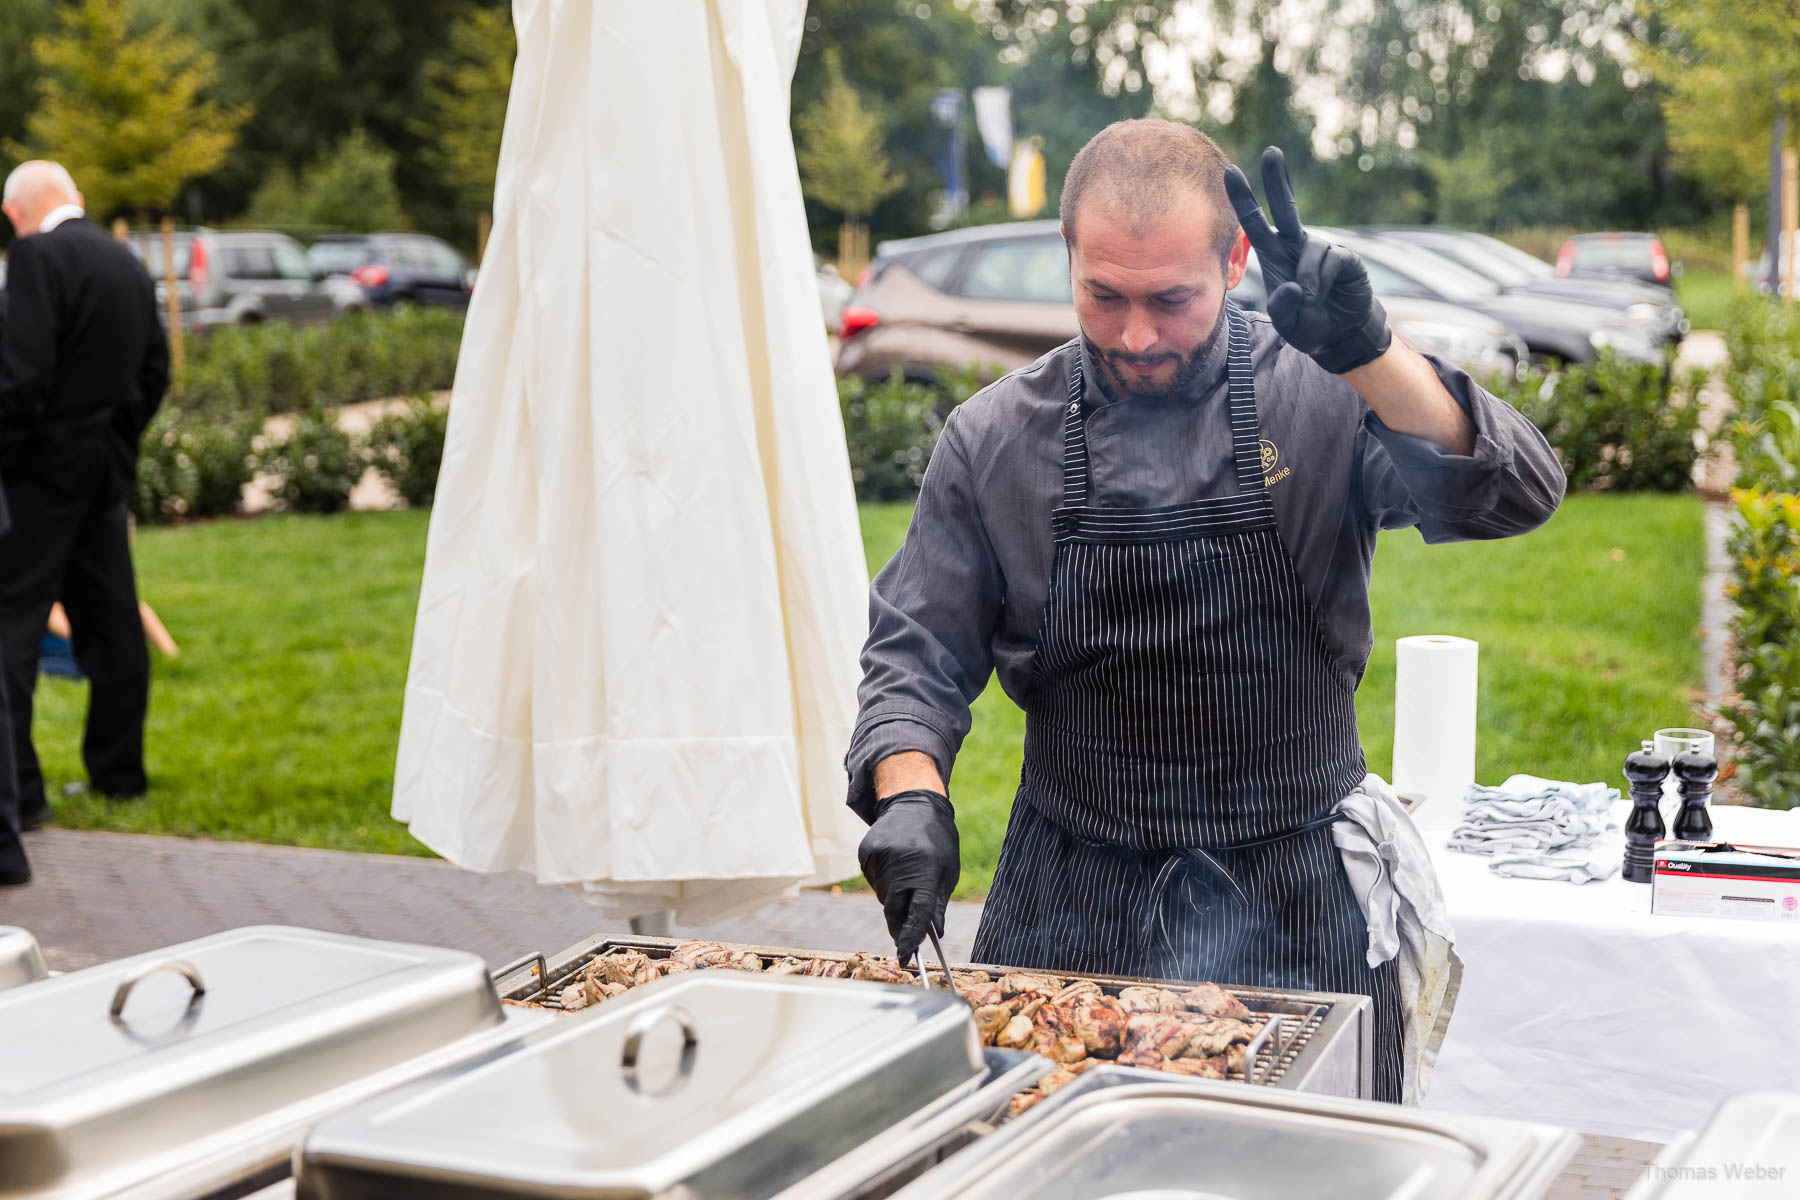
(1696, 770)
(1646, 770)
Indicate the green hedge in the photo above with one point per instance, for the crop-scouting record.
(276, 367)
(892, 427)
(199, 453)
(1616, 425)
(1763, 375)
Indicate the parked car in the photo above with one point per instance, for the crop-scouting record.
(1516, 271)
(1564, 330)
(396, 268)
(1617, 255)
(998, 296)
(834, 291)
(239, 277)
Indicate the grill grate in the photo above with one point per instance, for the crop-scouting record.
(1298, 1018)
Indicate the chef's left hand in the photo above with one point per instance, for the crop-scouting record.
(1320, 300)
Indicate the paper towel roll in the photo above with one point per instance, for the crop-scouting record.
(1434, 725)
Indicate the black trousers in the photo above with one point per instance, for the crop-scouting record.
(12, 850)
(75, 549)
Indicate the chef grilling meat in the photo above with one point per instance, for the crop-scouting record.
(1160, 536)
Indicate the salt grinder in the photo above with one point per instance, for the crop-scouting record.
(1646, 770)
(1696, 770)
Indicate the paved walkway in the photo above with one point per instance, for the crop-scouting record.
(100, 896)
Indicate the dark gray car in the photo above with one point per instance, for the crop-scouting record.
(1515, 271)
(1563, 330)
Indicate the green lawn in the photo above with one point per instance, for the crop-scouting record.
(278, 722)
(1705, 295)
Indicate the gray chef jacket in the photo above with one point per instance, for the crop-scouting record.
(965, 595)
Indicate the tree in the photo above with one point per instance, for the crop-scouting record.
(895, 54)
(127, 114)
(1729, 67)
(316, 69)
(467, 96)
(25, 21)
(843, 161)
(352, 187)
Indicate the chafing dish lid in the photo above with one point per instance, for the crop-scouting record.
(1750, 1148)
(704, 1084)
(1116, 1134)
(20, 959)
(115, 1064)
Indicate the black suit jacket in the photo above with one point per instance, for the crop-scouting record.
(84, 362)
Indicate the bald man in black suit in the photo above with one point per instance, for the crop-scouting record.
(84, 364)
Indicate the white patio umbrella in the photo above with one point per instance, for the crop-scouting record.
(635, 662)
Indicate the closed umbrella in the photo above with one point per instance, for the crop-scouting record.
(635, 659)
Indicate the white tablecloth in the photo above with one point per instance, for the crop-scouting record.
(1581, 1008)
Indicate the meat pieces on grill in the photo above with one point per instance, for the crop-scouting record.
(1022, 981)
(878, 970)
(789, 966)
(597, 991)
(990, 1019)
(1015, 1034)
(1207, 1038)
(1199, 1068)
(980, 995)
(1154, 1033)
(1057, 1049)
(1097, 1021)
(1149, 1000)
(1081, 989)
(1056, 1080)
(1209, 999)
(629, 967)
(700, 956)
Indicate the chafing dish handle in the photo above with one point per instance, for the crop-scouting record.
(186, 970)
(1256, 1045)
(635, 1033)
(535, 958)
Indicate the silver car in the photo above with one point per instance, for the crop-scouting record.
(240, 277)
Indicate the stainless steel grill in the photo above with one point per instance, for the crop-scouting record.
(1310, 1041)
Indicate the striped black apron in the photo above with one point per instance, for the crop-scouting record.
(1188, 734)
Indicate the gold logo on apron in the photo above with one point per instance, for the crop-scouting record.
(1271, 455)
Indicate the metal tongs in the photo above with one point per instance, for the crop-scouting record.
(937, 948)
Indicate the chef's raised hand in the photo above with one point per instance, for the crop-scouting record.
(912, 857)
(1319, 295)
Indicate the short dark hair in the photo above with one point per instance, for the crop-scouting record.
(1144, 167)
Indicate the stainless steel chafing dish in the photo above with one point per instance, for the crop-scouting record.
(20, 959)
(1748, 1150)
(705, 1085)
(1116, 1133)
(1313, 1041)
(196, 1068)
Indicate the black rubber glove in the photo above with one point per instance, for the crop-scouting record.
(1319, 295)
(912, 857)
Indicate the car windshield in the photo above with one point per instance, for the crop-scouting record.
(1481, 260)
(1451, 280)
(1530, 265)
(340, 256)
(1613, 254)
